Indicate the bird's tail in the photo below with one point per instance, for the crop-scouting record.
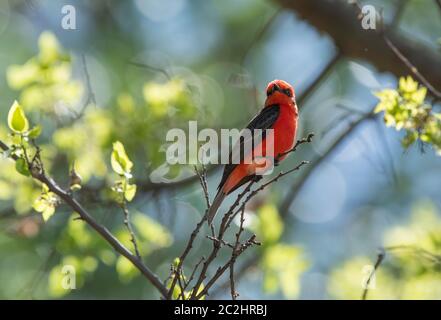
(215, 206)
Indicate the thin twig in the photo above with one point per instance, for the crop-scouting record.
(184, 255)
(411, 67)
(251, 241)
(129, 228)
(234, 293)
(308, 139)
(226, 221)
(217, 244)
(378, 262)
(202, 175)
(90, 94)
(90, 97)
(152, 68)
(194, 272)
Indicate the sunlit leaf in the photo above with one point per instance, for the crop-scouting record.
(48, 213)
(407, 84)
(17, 120)
(130, 192)
(419, 95)
(22, 167)
(120, 162)
(45, 204)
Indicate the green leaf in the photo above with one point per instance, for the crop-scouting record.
(407, 85)
(46, 203)
(380, 107)
(34, 132)
(17, 120)
(48, 212)
(388, 100)
(419, 95)
(130, 192)
(39, 204)
(119, 160)
(22, 167)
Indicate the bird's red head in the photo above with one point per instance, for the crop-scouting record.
(279, 92)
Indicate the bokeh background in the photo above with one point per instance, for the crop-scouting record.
(131, 70)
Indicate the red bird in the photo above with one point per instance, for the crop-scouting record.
(280, 113)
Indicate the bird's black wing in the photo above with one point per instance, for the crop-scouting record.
(264, 120)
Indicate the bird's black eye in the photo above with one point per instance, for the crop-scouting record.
(287, 92)
(270, 91)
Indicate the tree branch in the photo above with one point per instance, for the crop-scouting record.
(41, 176)
(339, 20)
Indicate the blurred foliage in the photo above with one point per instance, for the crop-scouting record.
(87, 132)
(283, 264)
(85, 250)
(412, 265)
(45, 80)
(194, 58)
(405, 108)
